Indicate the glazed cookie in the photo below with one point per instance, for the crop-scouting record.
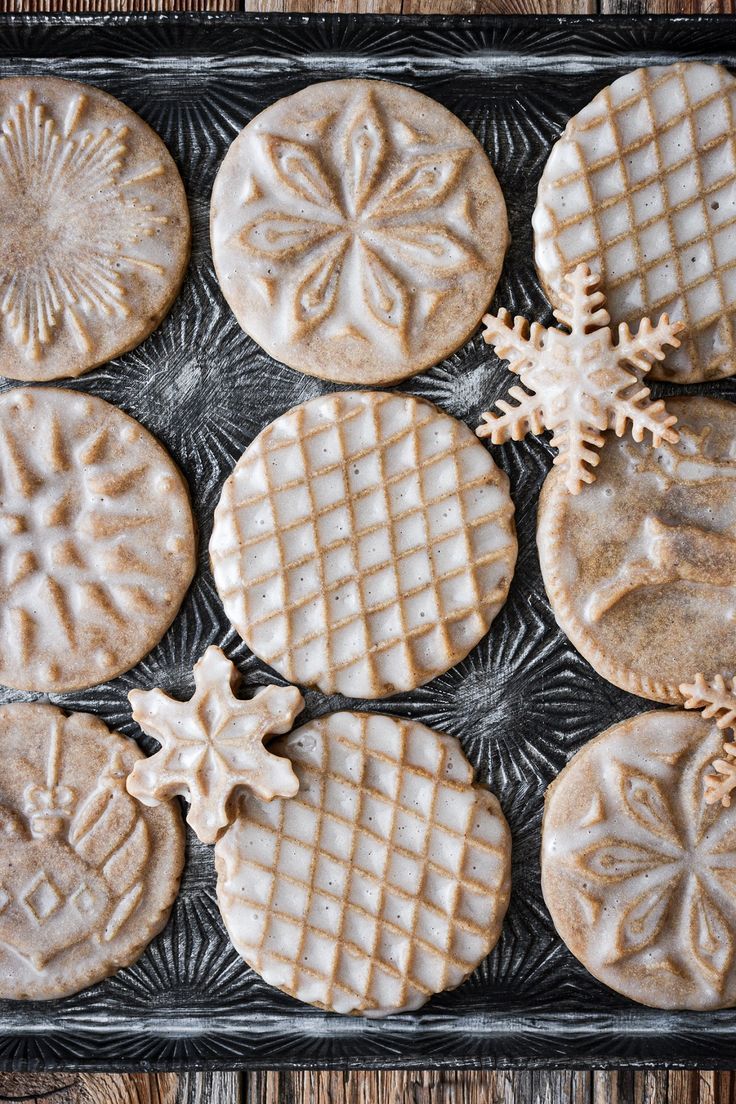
(88, 875)
(385, 880)
(640, 568)
(94, 229)
(642, 187)
(358, 231)
(364, 543)
(97, 540)
(638, 872)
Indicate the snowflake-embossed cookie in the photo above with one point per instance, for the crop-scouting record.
(640, 568)
(87, 875)
(638, 872)
(364, 543)
(358, 231)
(97, 540)
(94, 228)
(385, 880)
(642, 187)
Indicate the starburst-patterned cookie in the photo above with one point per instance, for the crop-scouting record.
(579, 383)
(716, 700)
(212, 745)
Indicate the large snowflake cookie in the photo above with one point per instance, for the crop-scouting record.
(87, 875)
(385, 880)
(94, 228)
(579, 381)
(638, 872)
(97, 541)
(642, 187)
(212, 745)
(358, 231)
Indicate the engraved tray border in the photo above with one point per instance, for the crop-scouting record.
(522, 702)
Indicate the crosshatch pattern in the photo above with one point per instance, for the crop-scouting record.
(384, 881)
(522, 701)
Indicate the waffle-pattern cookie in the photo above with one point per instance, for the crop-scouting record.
(642, 187)
(364, 543)
(385, 880)
(638, 872)
(94, 234)
(97, 541)
(358, 231)
(87, 875)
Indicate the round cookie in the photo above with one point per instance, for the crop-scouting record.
(642, 187)
(94, 228)
(88, 875)
(640, 568)
(638, 872)
(97, 540)
(358, 231)
(385, 880)
(364, 543)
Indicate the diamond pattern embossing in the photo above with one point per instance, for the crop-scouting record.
(42, 898)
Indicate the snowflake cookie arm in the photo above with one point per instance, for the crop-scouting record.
(645, 417)
(718, 786)
(514, 339)
(582, 307)
(716, 700)
(647, 345)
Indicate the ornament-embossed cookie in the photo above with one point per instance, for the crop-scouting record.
(94, 228)
(358, 231)
(97, 540)
(87, 874)
(638, 872)
(364, 543)
(642, 187)
(385, 880)
(640, 568)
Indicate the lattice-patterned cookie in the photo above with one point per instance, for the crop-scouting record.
(87, 875)
(642, 187)
(358, 231)
(97, 542)
(385, 880)
(94, 231)
(640, 569)
(638, 872)
(364, 543)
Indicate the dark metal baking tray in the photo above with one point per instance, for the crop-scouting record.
(522, 702)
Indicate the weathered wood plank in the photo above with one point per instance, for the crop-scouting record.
(98, 1088)
(499, 7)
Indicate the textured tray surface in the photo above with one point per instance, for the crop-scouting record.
(521, 703)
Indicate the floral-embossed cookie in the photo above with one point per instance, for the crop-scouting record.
(94, 228)
(638, 872)
(97, 540)
(358, 231)
(87, 875)
(640, 568)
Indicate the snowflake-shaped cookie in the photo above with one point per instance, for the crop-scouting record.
(716, 700)
(213, 744)
(580, 383)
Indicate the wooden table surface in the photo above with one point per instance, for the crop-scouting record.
(368, 1087)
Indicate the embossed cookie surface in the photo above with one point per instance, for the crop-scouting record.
(97, 542)
(87, 875)
(642, 187)
(94, 228)
(640, 568)
(385, 880)
(364, 543)
(638, 872)
(358, 231)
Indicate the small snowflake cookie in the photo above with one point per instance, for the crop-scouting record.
(716, 700)
(94, 230)
(358, 231)
(579, 383)
(87, 874)
(638, 872)
(640, 570)
(212, 745)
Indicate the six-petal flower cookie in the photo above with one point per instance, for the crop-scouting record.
(579, 384)
(212, 745)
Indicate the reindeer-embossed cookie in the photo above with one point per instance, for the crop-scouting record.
(640, 568)
(87, 874)
(638, 872)
(358, 231)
